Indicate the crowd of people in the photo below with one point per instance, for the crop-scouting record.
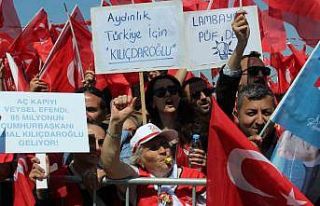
(122, 147)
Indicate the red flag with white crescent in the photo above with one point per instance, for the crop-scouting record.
(238, 174)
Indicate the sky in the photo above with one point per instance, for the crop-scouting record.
(26, 9)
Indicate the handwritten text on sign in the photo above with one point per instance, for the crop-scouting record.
(137, 37)
(210, 39)
(43, 122)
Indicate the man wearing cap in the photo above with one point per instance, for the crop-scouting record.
(153, 156)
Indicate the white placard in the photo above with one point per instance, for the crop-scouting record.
(210, 39)
(43, 122)
(138, 37)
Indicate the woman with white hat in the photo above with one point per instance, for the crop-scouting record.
(153, 156)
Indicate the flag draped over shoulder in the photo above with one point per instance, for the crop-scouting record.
(299, 110)
(240, 175)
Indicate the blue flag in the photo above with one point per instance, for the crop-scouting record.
(299, 110)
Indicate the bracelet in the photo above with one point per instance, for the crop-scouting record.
(113, 136)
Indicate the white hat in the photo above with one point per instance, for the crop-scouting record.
(149, 131)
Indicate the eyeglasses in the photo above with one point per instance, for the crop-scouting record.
(254, 70)
(161, 92)
(207, 92)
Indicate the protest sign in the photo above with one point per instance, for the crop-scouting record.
(210, 40)
(137, 37)
(43, 122)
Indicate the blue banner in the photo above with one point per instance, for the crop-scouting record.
(299, 110)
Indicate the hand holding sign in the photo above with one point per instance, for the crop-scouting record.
(241, 28)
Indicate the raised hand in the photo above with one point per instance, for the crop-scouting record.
(241, 28)
(121, 108)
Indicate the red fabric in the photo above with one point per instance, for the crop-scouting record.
(273, 34)
(8, 82)
(68, 193)
(306, 24)
(300, 58)
(234, 163)
(83, 38)
(116, 83)
(182, 155)
(147, 195)
(61, 70)
(6, 158)
(77, 15)
(217, 4)
(188, 5)
(10, 26)
(34, 40)
(277, 60)
(208, 83)
(244, 3)
(308, 8)
(173, 72)
(23, 186)
(17, 75)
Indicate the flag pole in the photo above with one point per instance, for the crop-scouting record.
(54, 48)
(143, 99)
(75, 43)
(210, 5)
(287, 93)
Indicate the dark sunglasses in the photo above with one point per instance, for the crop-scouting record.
(207, 92)
(161, 92)
(254, 70)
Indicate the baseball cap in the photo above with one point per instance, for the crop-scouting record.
(148, 132)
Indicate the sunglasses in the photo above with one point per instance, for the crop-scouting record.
(207, 92)
(254, 70)
(161, 92)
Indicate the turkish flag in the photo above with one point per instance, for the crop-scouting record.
(23, 186)
(83, 38)
(300, 57)
(10, 26)
(238, 174)
(281, 64)
(35, 38)
(309, 9)
(303, 15)
(62, 69)
(77, 15)
(17, 75)
(273, 34)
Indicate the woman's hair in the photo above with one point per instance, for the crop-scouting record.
(153, 112)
